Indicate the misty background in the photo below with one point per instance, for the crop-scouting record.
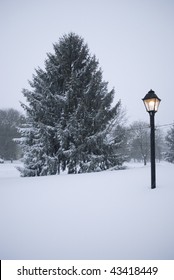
(133, 41)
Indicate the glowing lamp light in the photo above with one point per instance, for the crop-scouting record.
(151, 102)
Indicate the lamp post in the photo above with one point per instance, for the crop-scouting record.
(151, 102)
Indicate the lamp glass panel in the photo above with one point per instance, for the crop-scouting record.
(157, 105)
(152, 104)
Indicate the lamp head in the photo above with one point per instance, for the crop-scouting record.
(151, 102)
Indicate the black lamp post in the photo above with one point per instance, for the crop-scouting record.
(151, 102)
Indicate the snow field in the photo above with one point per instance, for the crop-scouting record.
(105, 215)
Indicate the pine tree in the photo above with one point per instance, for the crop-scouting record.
(70, 114)
(170, 144)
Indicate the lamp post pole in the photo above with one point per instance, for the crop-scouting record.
(152, 149)
(151, 102)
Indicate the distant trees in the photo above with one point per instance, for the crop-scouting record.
(170, 144)
(10, 119)
(160, 146)
(139, 142)
(70, 117)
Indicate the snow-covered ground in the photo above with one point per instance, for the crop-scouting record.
(105, 215)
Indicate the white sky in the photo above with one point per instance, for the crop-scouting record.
(133, 40)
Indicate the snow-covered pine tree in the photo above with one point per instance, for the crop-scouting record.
(170, 143)
(70, 114)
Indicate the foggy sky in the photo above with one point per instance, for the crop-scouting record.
(132, 39)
